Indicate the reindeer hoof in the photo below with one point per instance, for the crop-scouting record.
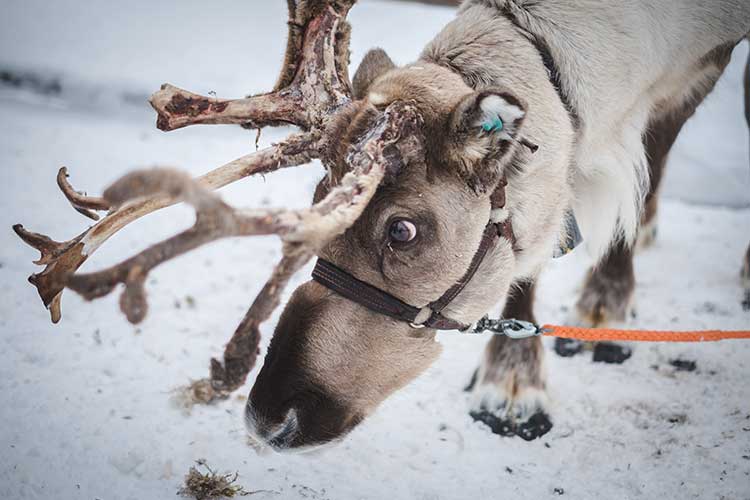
(498, 425)
(524, 414)
(611, 352)
(508, 390)
(606, 298)
(567, 348)
(535, 426)
(604, 352)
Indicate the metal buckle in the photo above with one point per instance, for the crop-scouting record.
(511, 328)
(425, 313)
(518, 329)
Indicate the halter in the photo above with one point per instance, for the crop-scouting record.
(431, 315)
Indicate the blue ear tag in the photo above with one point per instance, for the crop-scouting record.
(494, 126)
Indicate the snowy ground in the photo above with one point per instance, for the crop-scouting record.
(86, 410)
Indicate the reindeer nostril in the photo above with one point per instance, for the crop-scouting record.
(284, 435)
(277, 435)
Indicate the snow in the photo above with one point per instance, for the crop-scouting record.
(86, 407)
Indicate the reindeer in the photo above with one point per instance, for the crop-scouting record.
(450, 183)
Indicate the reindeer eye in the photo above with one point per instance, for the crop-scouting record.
(402, 231)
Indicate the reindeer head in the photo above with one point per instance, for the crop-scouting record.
(332, 360)
(414, 157)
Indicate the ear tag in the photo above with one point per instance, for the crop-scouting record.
(495, 125)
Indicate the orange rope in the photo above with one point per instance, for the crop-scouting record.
(608, 334)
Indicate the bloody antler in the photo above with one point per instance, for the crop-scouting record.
(313, 81)
(312, 87)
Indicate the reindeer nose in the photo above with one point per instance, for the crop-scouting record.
(277, 433)
(304, 422)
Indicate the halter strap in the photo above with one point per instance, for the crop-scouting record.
(345, 284)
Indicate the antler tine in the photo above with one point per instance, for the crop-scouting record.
(48, 248)
(177, 108)
(82, 203)
(214, 220)
(241, 353)
(62, 259)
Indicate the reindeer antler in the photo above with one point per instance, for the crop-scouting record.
(313, 86)
(313, 81)
(62, 259)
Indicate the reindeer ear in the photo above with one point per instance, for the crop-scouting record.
(375, 63)
(482, 133)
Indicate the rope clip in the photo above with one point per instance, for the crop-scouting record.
(511, 328)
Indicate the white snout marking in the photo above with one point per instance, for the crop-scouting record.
(251, 424)
(263, 437)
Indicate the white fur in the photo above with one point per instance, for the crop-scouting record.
(496, 398)
(499, 215)
(377, 99)
(259, 436)
(618, 61)
(494, 106)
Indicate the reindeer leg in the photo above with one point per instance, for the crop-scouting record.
(607, 295)
(509, 390)
(608, 288)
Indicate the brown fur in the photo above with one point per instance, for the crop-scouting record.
(375, 63)
(608, 288)
(517, 364)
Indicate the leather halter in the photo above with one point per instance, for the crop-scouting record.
(431, 315)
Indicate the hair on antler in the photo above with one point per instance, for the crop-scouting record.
(312, 87)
